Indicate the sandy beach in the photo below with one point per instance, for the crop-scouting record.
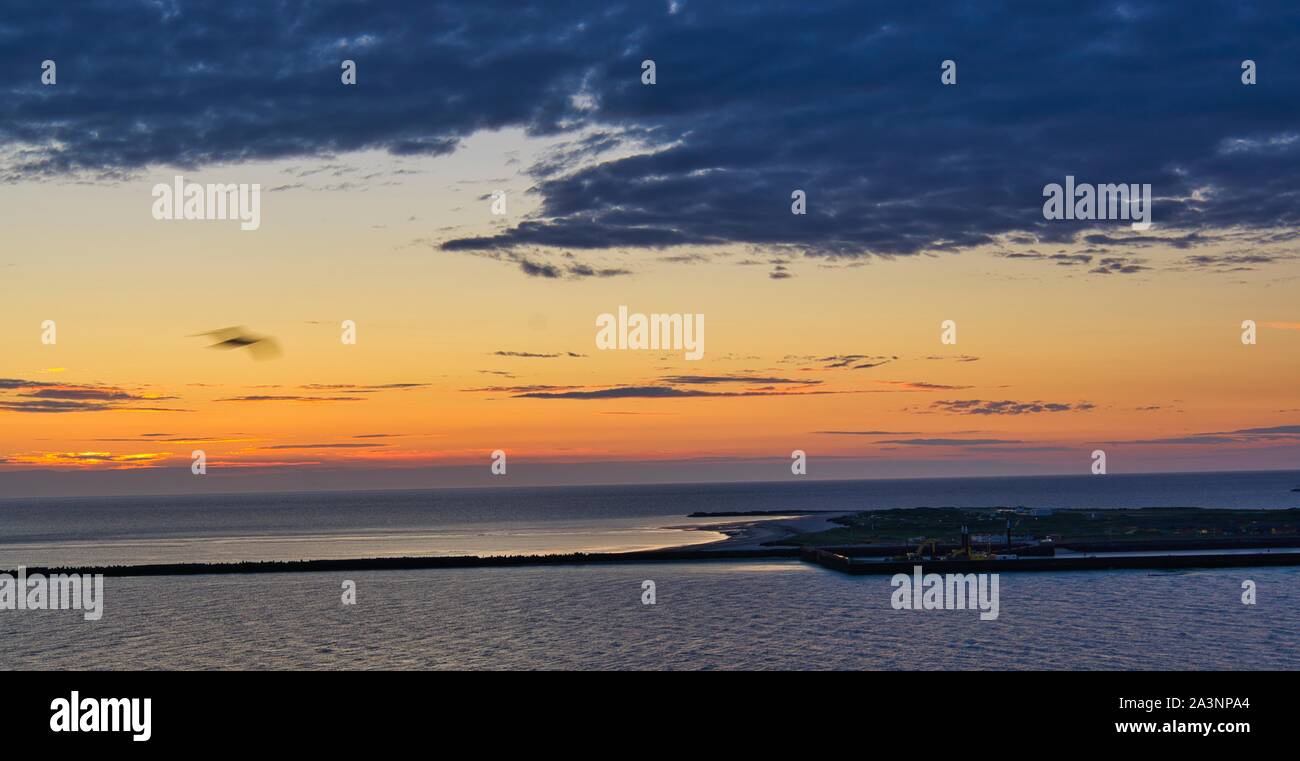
(750, 533)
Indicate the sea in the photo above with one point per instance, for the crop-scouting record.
(704, 615)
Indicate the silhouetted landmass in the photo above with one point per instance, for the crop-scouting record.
(420, 563)
(870, 542)
(1175, 527)
(1102, 562)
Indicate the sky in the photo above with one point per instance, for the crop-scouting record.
(475, 331)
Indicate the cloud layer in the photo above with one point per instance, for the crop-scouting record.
(752, 101)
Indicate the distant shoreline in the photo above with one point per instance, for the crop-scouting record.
(828, 559)
(744, 541)
(750, 545)
(768, 535)
(417, 563)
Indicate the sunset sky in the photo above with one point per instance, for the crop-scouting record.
(476, 332)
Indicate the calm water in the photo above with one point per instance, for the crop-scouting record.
(708, 616)
(502, 521)
(782, 615)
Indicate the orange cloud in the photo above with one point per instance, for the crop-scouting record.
(103, 460)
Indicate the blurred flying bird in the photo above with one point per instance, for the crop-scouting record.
(238, 337)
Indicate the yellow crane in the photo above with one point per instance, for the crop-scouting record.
(967, 551)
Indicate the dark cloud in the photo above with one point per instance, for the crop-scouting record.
(1232, 262)
(699, 380)
(176, 440)
(1276, 429)
(54, 406)
(838, 98)
(1275, 434)
(692, 258)
(65, 392)
(535, 263)
(1006, 407)
(842, 361)
(1062, 259)
(353, 388)
(1175, 241)
(44, 397)
(950, 442)
(1184, 440)
(965, 164)
(582, 270)
(535, 269)
(1114, 265)
(323, 446)
(290, 398)
(519, 389)
(655, 392)
(536, 355)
